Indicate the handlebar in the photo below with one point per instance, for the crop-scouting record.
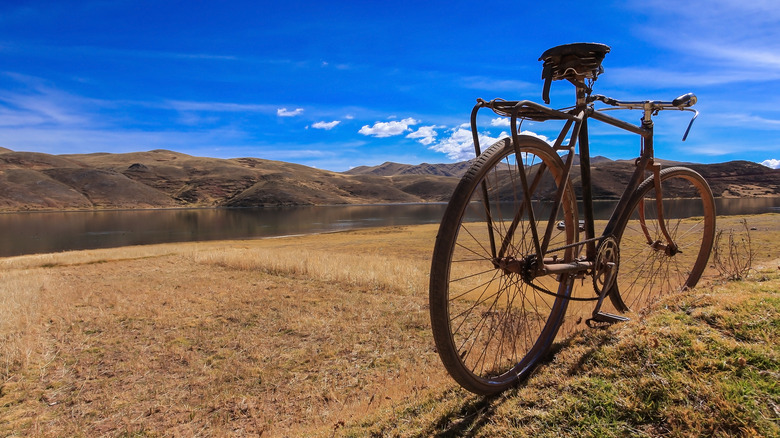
(685, 101)
(652, 107)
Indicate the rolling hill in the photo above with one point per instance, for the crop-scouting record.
(166, 179)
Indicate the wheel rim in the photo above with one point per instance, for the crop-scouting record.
(498, 325)
(650, 269)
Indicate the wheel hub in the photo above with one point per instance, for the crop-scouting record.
(523, 267)
(670, 250)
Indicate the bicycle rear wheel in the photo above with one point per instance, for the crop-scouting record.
(648, 268)
(492, 324)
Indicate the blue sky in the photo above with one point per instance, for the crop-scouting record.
(335, 84)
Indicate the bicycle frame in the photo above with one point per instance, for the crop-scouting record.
(503, 273)
(576, 129)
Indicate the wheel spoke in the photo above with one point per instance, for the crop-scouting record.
(490, 326)
(647, 274)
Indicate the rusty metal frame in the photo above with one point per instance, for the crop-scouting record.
(576, 129)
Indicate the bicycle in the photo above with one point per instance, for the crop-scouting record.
(512, 253)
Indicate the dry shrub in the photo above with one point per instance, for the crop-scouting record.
(734, 253)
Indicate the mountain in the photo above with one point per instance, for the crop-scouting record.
(732, 179)
(391, 169)
(166, 179)
(451, 169)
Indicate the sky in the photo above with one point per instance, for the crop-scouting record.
(339, 84)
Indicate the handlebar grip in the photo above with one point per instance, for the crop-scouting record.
(685, 101)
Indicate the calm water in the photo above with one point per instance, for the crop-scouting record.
(42, 232)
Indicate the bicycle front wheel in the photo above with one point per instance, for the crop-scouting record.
(649, 267)
(492, 320)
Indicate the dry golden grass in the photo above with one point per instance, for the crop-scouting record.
(275, 336)
(284, 337)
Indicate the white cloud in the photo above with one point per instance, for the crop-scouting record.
(755, 121)
(284, 112)
(56, 140)
(726, 147)
(425, 134)
(647, 76)
(388, 129)
(228, 107)
(746, 52)
(544, 138)
(39, 104)
(326, 125)
(486, 83)
(460, 144)
(500, 121)
(772, 163)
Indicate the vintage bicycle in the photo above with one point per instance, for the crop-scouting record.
(516, 264)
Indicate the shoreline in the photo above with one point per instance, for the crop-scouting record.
(282, 206)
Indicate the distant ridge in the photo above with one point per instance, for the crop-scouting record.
(166, 179)
(389, 169)
(459, 169)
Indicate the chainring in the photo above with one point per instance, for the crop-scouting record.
(607, 252)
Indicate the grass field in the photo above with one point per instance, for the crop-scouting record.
(329, 335)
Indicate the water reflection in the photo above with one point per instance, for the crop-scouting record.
(41, 232)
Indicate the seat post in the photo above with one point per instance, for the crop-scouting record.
(582, 96)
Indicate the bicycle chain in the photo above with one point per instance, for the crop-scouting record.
(557, 295)
(562, 248)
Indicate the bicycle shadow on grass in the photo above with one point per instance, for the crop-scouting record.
(478, 411)
(470, 418)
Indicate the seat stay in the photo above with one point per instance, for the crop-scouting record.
(519, 215)
(524, 183)
(540, 246)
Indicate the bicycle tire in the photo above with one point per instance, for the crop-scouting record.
(647, 272)
(492, 327)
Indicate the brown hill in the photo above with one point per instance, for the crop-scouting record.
(736, 179)
(107, 188)
(390, 169)
(445, 169)
(26, 189)
(162, 179)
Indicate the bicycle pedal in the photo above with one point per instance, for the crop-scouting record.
(607, 318)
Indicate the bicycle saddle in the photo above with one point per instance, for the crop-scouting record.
(576, 61)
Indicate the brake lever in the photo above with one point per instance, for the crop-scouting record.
(695, 114)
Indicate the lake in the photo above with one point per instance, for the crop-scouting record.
(44, 232)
